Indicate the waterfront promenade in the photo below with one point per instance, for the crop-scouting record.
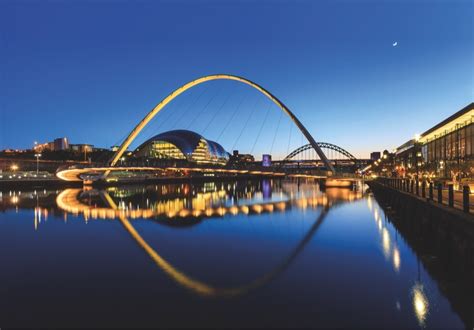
(458, 197)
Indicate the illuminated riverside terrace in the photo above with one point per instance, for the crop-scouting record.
(280, 252)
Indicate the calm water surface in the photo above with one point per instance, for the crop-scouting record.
(262, 253)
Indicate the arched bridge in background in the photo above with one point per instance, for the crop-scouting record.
(322, 145)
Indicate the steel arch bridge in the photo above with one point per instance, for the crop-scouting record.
(321, 145)
(139, 127)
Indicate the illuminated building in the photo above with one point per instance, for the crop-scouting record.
(56, 145)
(183, 145)
(447, 146)
(242, 158)
(81, 147)
(61, 144)
(266, 160)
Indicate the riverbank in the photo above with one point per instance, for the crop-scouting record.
(53, 182)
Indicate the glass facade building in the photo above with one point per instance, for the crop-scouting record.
(183, 145)
(450, 144)
(446, 147)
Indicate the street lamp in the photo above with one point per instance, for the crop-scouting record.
(37, 162)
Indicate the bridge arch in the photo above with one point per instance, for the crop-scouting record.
(138, 128)
(320, 145)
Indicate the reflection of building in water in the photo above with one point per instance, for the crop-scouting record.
(208, 200)
(41, 202)
(267, 189)
(211, 199)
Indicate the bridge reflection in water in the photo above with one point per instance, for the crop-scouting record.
(72, 201)
(219, 240)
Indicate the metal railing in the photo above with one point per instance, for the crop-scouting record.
(427, 190)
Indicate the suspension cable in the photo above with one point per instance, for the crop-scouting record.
(289, 139)
(246, 123)
(189, 107)
(231, 117)
(199, 113)
(260, 130)
(217, 112)
(276, 131)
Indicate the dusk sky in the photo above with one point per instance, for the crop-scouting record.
(91, 70)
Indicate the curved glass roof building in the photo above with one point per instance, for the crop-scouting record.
(183, 145)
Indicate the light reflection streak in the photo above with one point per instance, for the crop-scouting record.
(396, 259)
(386, 243)
(420, 303)
(389, 249)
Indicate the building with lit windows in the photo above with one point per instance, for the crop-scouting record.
(81, 147)
(444, 150)
(183, 145)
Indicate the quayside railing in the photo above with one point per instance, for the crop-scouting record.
(432, 191)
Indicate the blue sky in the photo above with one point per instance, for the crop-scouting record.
(90, 70)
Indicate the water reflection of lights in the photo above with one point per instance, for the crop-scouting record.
(369, 203)
(386, 243)
(389, 248)
(420, 303)
(70, 201)
(197, 204)
(40, 214)
(396, 259)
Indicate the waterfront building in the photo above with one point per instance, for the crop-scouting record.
(444, 150)
(61, 144)
(56, 145)
(183, 145)
(242, 158)
(375, 155)
(266, 160)
(83, 147)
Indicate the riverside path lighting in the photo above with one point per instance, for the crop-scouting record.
(14, 167)
(38, 155)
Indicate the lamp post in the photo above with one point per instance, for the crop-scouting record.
(417, 153)
(37, 162)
